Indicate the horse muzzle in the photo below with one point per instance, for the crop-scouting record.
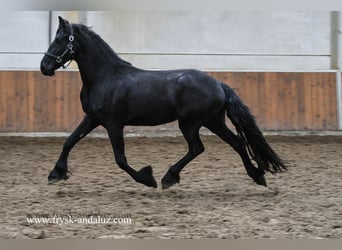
(47, 71)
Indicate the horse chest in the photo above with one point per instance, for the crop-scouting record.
(93, 105)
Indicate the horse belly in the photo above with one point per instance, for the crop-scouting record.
(151, 116)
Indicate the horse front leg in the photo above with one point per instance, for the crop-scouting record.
(145, 175)
(61, 168)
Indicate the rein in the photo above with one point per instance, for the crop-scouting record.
(69, 49)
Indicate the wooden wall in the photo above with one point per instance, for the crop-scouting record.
(288, 101)
(31, 102)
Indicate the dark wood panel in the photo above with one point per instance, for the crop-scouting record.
(30, 101)
(287, 100)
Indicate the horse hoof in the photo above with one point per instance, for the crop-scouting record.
(169, 180)
(166, 185)
(57, 175)
(261, 181)
(52, 180)
(146, 177)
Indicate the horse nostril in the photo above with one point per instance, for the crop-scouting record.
(42, 68)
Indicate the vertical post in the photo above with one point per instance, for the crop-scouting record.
(336, 59)
(50, 28)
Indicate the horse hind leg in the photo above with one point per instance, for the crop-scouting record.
(218, 127)
(195, 147)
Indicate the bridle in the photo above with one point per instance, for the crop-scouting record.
(69, 49)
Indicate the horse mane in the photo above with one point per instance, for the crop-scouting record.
(88, 32)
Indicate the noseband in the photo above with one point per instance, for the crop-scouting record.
(69, 49)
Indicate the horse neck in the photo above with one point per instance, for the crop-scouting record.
(94, 59)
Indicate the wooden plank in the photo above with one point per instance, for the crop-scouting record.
(20, 88)
(290, 101)
(50, 110)
(30, 101)
(42, 103)
(267, 96)
(72, 111)
(59, 98)
(300, 96)
(320, 82)
(258, 109)
(330, 98)
(3, 101)
(333, 107)
(10, 102)
(307, 96)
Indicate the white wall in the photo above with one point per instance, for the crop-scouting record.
(167, 40)
(218, 40)
(23, 38)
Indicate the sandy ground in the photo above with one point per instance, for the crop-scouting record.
(215, 199)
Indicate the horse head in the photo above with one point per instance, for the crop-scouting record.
(61, 50)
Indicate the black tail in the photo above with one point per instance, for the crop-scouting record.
(259, 150)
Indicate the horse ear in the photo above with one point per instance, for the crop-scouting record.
(62, 22)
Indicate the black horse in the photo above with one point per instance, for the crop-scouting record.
(115, 94)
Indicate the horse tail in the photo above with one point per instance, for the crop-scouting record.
(258, 149)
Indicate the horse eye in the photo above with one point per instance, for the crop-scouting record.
(59, 38)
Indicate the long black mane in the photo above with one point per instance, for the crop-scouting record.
(86, 33)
